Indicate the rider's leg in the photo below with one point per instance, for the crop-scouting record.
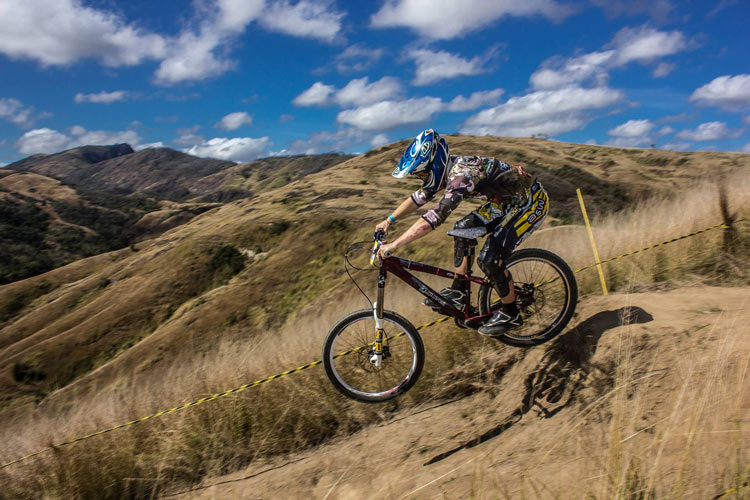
(492, 262)
(463, 249)
(463, 259)
(498, 247)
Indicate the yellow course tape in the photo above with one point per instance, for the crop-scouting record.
(309, 365)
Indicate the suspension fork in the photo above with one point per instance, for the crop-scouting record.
(377, 357)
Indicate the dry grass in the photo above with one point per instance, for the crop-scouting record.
(672, 423)
(655, 220)
(304, 411)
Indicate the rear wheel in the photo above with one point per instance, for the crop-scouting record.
(546, 294)
(352, 366)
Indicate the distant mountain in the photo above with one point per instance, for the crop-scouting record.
(66, 163)
(166, 174)
(160, 173)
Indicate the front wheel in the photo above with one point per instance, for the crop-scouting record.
(546, 294)
(353, 367)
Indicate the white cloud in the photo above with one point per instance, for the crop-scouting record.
(320, 142)
(558, 72)
(42, 140)
(642, 44)
(632, 128)
(233, 121)
(386, 115)
(192, 57)
(658, 9)
(710, 131)
(307, 19)
(547, 112)
(379, 140)
(663, 69)
(355, 59)
(187, 136)
(15, 112)
(361, 93)
(101, 97)
(59, 32)
(677, 146)
(45, 140)
(745, 148)
(635, 133)
(475, 100)
(358, 92)
(434, 66)
(232, 16)
(665, 131)
(445, 19)
(149, 145)
(630, 142)
(102, 137)
(728, 92)
(317, 95)
(378, 106)
(239, 149)
(201, 54)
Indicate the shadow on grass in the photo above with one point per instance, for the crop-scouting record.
(560, 373)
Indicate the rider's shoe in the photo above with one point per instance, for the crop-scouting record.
(501, 322)
(455, 297)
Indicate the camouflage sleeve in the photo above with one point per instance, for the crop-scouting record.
(455, 192)
(421, 197)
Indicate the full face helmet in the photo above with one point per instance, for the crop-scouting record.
(427, 158)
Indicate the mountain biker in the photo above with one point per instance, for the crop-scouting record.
(516, 206)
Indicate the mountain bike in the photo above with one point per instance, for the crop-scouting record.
(374, 355)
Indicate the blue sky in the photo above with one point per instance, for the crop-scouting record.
(241, 79)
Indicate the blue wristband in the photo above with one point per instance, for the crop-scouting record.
(391, 218)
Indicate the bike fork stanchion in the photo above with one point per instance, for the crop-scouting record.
(377, 357)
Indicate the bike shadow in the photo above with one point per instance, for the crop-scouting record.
(560, 373)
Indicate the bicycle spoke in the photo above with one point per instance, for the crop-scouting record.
(355, 365)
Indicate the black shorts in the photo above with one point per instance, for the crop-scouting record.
(507, 228)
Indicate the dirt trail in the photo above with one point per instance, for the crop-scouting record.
(644, 364)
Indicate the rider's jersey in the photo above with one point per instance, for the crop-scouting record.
(476, 177)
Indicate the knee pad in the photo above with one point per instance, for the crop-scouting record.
(497, 274)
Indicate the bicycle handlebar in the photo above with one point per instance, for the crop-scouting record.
(379, 236)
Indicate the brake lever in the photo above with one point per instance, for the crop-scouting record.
(379, 236)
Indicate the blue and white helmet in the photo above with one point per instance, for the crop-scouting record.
(427, 154)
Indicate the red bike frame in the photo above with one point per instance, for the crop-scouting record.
(399, 266)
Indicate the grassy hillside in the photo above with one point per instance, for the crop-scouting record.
(82, 202)
(205, 302)
(160, 173)
(166, 174)
(46, 224)
(291, 239)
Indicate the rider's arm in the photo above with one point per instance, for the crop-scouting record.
(454, 193)
(416, 231)
(407, 206)
(458, 187)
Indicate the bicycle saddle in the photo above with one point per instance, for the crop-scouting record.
(469, 233)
